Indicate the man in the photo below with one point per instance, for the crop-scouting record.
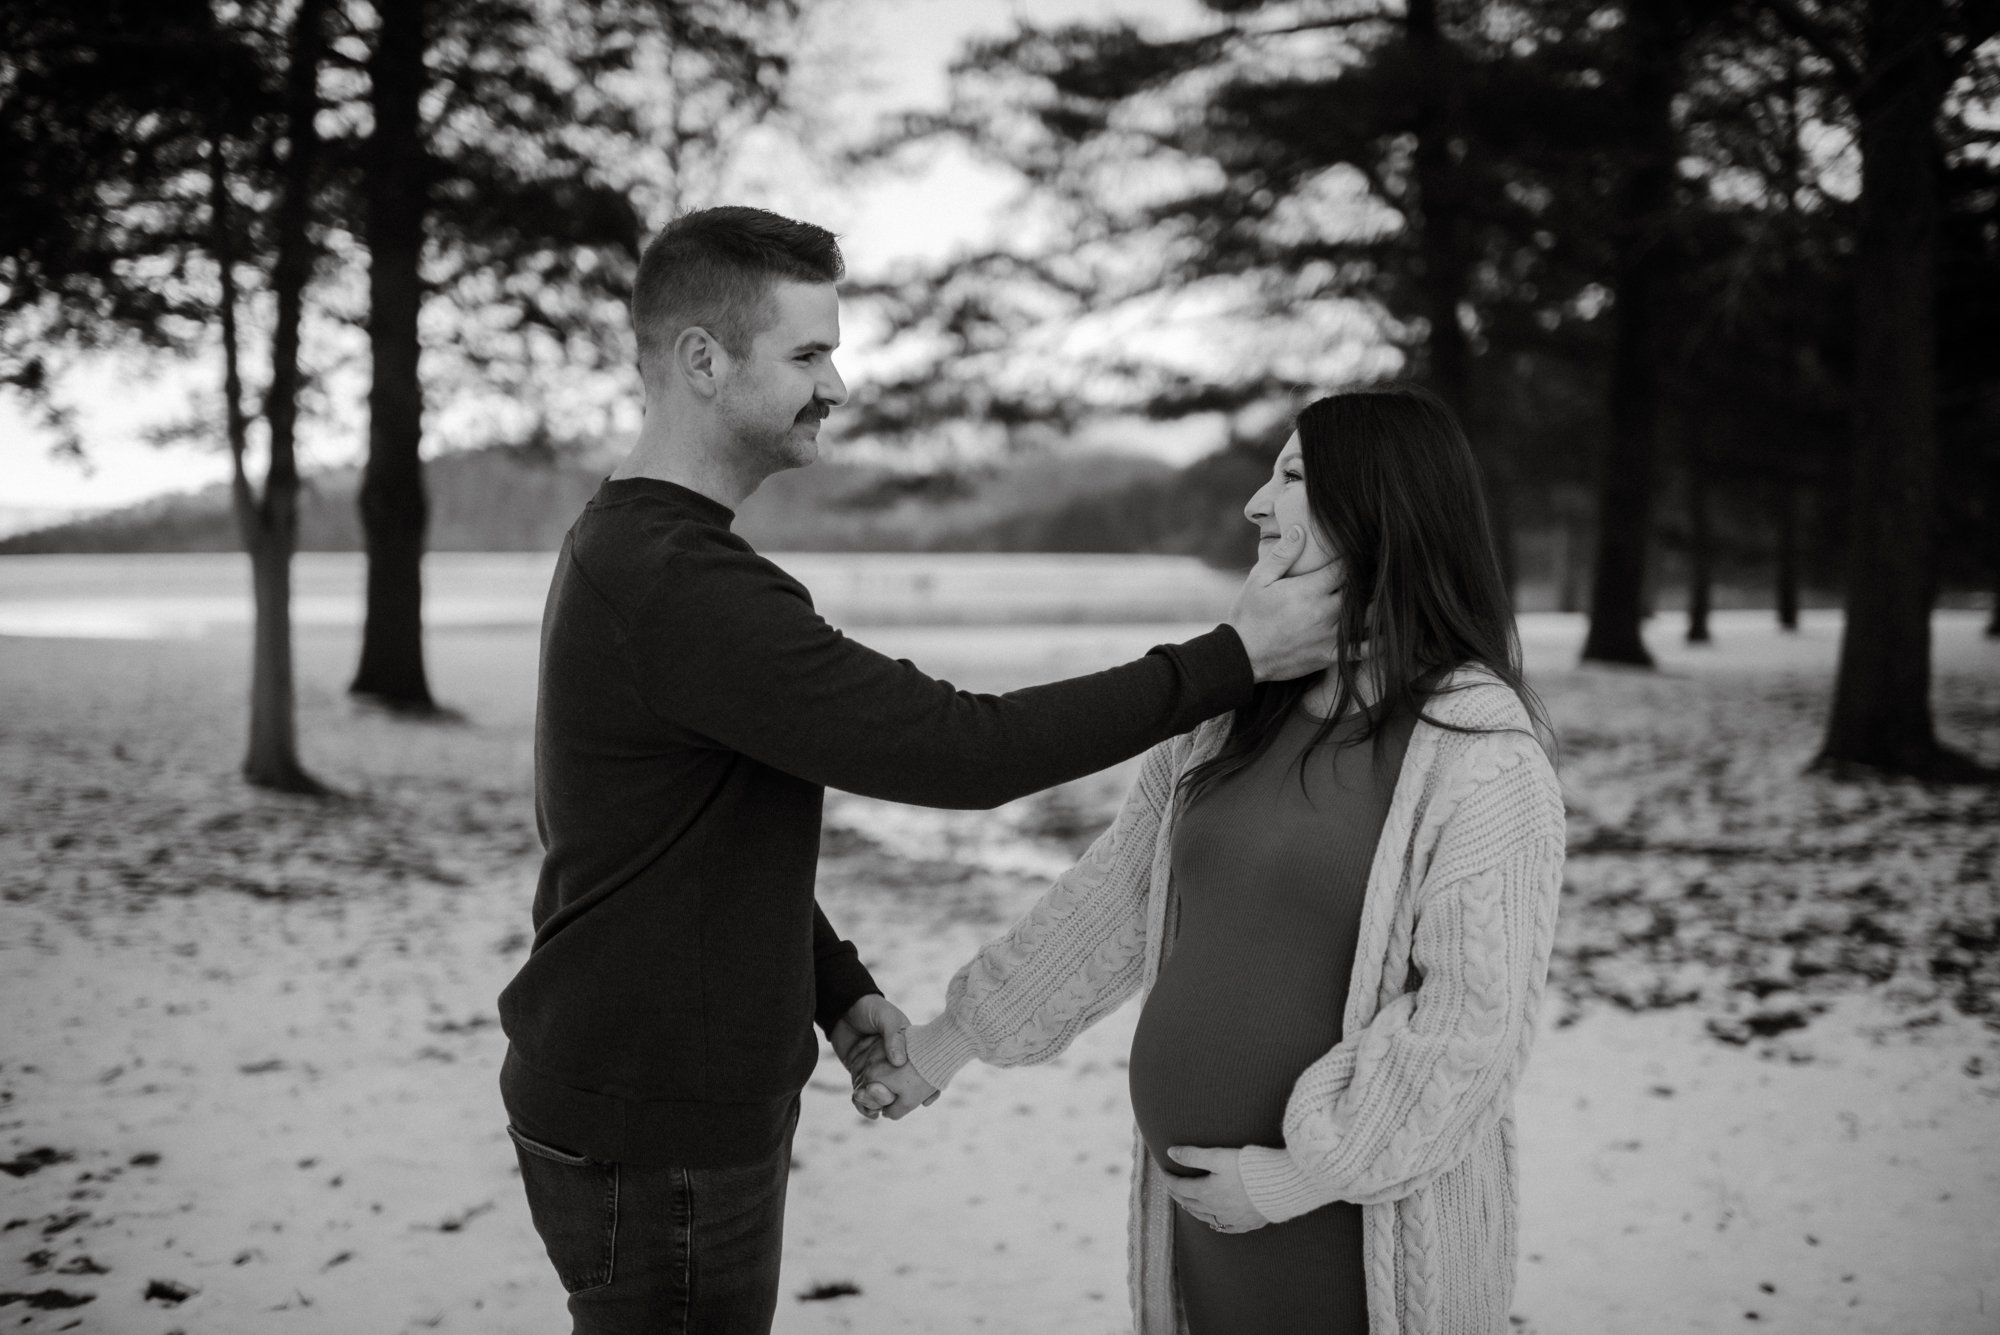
(692, 708)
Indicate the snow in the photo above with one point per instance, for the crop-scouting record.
(250, 1053)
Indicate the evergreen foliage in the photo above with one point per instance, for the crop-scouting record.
(1627, 241)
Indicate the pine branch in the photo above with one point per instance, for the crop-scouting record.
(1821, 37)
(1335, 23)
(1981, 25)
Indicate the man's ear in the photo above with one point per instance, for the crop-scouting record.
(700, 360)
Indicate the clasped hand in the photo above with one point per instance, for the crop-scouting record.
(871, 1042)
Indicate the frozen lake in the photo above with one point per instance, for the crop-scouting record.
(993, 620)
(182, 594)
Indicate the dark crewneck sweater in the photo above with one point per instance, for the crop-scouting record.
(692, 708)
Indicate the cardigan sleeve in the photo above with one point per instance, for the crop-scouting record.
(1071, 960)
(1392, 1107)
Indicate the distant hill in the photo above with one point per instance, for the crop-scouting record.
(1192, 511)
(25, 518)
(500, 499)
(517, 499)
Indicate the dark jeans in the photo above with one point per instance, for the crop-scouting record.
(660, 1251)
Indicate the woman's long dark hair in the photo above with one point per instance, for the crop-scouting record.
(1394, 493)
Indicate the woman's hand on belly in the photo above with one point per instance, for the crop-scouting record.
(1219, 1199)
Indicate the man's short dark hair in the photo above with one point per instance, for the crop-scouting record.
(715, 267)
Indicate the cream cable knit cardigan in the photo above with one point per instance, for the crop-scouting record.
(1411, 1114)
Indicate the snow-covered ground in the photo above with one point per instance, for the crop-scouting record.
(248, 1058)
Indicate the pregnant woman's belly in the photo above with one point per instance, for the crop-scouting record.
(1270, 877)
(1228, 1027)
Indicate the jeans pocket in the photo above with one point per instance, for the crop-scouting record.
(574, 1203)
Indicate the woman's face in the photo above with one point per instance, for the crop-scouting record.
(1281, 503)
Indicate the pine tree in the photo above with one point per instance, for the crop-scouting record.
(159, 156)
(1896, 61)
(523, 195)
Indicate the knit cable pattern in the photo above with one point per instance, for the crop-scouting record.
(1377, 1121)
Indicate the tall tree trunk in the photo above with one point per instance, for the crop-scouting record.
(1569, 568)
(271, 524)
(1791, 160)
(394, 508)
(1992, 528)
(1991, 531)
(1881, 713)
(1447, 258)
(272, 758)
(1788, 554)
(1642, 269)
(1701, 545)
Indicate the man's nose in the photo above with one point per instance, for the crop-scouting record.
(830, 388)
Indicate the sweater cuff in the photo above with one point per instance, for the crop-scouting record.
(1277, 1186)
(839, 983)
(1218, 669)
(940, 1049)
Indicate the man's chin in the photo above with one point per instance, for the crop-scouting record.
(801, 446)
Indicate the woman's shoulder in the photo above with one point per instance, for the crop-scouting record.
(1473, 696)
(1480, 726)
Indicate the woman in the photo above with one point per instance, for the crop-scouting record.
(1338, 905)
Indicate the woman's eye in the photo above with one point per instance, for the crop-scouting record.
(1294, 475)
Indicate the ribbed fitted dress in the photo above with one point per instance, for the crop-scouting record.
(1269, 880)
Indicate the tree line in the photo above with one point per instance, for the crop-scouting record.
(1653, 252)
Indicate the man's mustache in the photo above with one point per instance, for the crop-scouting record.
(815, 411)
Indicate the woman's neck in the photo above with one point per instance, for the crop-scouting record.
(1319, 697)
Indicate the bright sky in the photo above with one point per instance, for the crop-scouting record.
(868, 57)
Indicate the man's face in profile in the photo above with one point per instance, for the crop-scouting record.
(774, 398)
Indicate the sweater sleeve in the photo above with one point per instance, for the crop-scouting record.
(1395, 1105)
(728, 646)
(1071, 960)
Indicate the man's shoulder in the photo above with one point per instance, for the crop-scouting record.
(638, 557)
